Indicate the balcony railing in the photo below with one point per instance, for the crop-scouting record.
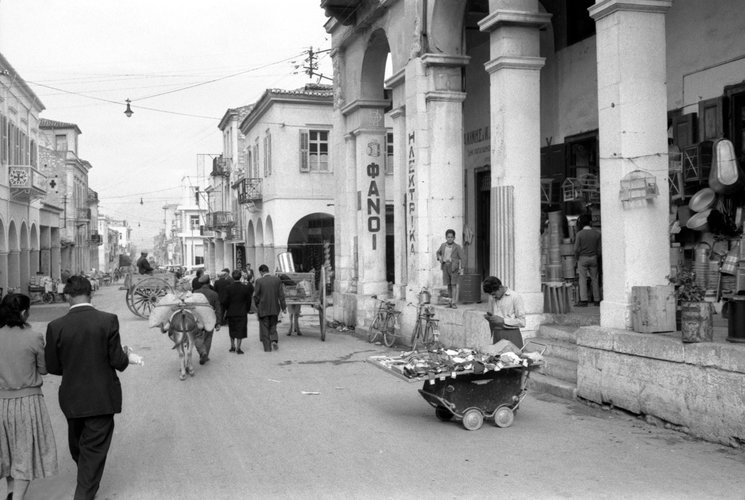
(26, 183)
(220, 220)
(221, 166)
(249, 190)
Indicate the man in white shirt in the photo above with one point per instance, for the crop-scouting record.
(506, 313)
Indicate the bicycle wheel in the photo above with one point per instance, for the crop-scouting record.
(47, 298)
(415, 336)
(429, 333)
(389, 332)
(375, 327)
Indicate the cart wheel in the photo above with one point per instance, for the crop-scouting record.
(504, 417)
(473, 419)
(47, 298)
(322, 321)
(389, 331)
(443, 414)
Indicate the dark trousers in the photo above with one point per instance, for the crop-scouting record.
(511, 334)
(203, 342)
(268, 331)
(89, 439)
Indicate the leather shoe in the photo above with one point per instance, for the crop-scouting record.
(275, 346)
(232, 349)
(203, 359)
(238, 351)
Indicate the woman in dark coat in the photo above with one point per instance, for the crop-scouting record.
(237, 300)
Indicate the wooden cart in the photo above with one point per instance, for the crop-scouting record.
(145, 290)
(301, 289)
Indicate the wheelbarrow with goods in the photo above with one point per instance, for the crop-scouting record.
(466, 384)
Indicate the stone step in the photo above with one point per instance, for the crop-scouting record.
(588, 317)
(565, 333)
(559, 349)
(547, 384)
(560, 368)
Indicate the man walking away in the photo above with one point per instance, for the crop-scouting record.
(237, 301)
(221, 286)
(84, 347)
(203, 340)
(269, 298)
(587, 249)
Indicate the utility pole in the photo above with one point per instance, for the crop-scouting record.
(311, 64)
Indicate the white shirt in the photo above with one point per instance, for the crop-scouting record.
(511, 308)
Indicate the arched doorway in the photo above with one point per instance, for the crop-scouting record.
(311, 242)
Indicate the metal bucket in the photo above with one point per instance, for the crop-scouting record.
(424, 297)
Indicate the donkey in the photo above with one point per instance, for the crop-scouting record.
(182, 328)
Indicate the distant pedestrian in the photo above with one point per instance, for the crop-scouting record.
(221, 285)
(143, 265)
(27, 446)
(85, 348)
(237, 301)
(195, 282)
(269, 298)
(203, 338)
(587, 249)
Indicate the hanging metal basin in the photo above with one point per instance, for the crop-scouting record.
(699, 221)
(702, 200)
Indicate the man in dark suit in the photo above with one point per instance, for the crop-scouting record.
(237, 299)
(269, 297)
(221, 286)
(84, 347)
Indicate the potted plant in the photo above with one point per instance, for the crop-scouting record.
(696, 315)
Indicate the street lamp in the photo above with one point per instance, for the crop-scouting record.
(128, 111)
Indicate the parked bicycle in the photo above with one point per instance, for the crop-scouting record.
(427, 329)
(385, 323)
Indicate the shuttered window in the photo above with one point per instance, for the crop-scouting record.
(314, 151)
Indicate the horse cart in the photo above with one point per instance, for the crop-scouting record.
(145, 290)
(301, 289)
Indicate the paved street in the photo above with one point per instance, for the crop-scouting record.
(242, 427)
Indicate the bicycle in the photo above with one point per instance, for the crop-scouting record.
(384, 324)
(427, 329)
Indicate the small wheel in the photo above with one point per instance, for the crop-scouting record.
(374, 330)
(443, 414)
(429, 333)
(415, 335)
(473, 419)
(504, 417)
(47, 298)
(389, 331)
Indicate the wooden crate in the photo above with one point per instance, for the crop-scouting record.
(653, 308)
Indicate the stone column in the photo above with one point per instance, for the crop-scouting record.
(56, 262)
(364, 121)
(442, 172)
(632, 108)
(33, 257)
(345, 204)
(14, 270)
(371, 226)
(25, 272)
(4, 271)
(514, 71)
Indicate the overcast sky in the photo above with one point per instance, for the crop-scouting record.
(84, 58)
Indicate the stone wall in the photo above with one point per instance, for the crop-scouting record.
(700, 386)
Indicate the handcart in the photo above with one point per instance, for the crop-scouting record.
(472, 395)
(145, 290)
(300, 289)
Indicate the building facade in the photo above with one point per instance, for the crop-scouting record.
(285, 191)
(492, 101)
(27, 224)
